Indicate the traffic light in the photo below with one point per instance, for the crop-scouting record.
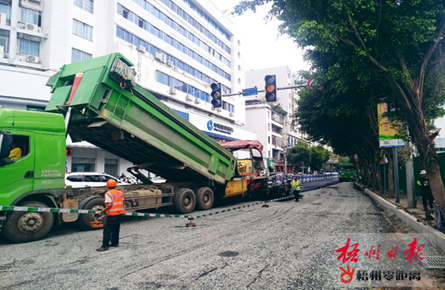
(271, 88)
(216, 95)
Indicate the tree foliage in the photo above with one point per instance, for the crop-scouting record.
(305, 155)
(365, 52)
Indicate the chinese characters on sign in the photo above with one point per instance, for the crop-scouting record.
(350, 255)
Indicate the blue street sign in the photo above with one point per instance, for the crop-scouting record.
(250, 92)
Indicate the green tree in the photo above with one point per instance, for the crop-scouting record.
(320, 156)
(401, 40)
(300, 153)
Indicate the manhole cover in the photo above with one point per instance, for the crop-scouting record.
(433, 262)
(228, 254)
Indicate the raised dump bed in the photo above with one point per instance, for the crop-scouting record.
(109, 110)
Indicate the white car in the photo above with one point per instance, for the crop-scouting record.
(91, 179)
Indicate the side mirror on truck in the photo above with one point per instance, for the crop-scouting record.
(5, 144)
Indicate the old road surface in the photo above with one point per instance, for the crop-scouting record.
(288, 245)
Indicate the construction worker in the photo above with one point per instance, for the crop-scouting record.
(296, 188)
(114, 200)
(424, 183)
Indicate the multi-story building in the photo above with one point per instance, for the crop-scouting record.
(279, 131)
(179, 47)
(268, 125)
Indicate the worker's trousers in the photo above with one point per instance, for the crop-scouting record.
(111, 230)
(427, 197)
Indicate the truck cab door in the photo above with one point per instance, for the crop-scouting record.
(17, 173)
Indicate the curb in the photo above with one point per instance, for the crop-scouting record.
(432, 235)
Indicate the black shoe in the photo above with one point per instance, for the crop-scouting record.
(114, 246)
(102, 249)
(297, 200)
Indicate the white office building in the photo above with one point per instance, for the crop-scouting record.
(179, 47)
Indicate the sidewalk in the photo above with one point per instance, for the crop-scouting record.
(418, 212)
(414, 217)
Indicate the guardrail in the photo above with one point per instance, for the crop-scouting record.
(304, 178)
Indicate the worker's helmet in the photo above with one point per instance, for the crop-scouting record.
(111, 183)
(422, 172)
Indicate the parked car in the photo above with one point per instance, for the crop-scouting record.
(91, 179)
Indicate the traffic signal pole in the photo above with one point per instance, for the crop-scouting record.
(262, 91)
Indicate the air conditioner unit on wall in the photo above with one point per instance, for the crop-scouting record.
(173, 91)
(197, 100)
(188, 98)
(141, 48)
(231, 114)
(170, 63)
(32, 27)
(3, 18)
(161, 56)
(32, 58)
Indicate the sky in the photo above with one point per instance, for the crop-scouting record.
(262, 45)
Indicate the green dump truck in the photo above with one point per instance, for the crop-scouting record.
(98, 101)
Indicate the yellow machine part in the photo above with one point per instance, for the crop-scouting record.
(235, 187)
(245, 166)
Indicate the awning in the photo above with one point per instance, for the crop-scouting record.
(242, 144)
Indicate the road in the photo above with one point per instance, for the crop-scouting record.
(288, 245)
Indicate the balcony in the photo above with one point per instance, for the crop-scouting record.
(276, 129)
(279, 142)
(277, 118)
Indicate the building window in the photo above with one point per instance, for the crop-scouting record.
(82, 29)
(29, 47)
(133, 39)
(86, 5)
(111, 166)
(269, 153)
(6, 8)
(83, 164)
(268, 114)
(78, 55)
(268, 127)
(268, 139)
(4, 41)
(31, 16)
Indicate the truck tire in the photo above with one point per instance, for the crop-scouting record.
(91, 203)
(204, 198)
(22, 227)
(184, 200)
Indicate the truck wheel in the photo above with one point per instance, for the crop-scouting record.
(21, 227)
(204, 198)
(184, 200)
(91, 203)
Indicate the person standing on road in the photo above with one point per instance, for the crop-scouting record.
(424, 183)
(114, 200)
(296, 188)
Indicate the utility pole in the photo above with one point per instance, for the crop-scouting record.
(396, 174)
(285, 144)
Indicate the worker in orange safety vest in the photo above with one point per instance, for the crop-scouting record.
(114, 200)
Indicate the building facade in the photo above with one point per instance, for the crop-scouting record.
(268, 125)
(179, 47)
(277, 130)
